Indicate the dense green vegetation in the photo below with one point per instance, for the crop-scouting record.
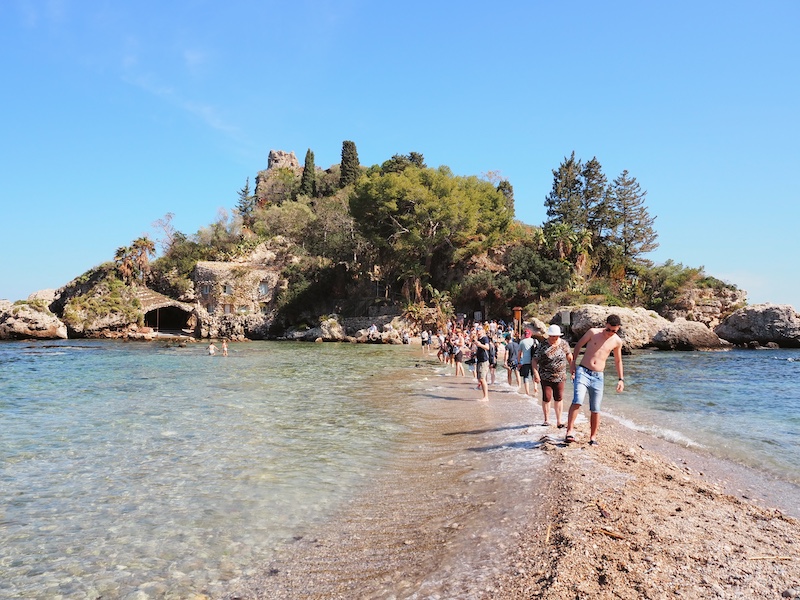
(107, 296)
(402, 232)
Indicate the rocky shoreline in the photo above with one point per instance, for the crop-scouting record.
(757, 326)
(485, 505)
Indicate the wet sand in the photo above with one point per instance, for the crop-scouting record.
(483, 502)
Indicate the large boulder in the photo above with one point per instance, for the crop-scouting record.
(639, 326)
(537, 326)
(329, 330)
(762, 324)
(687, 335)
(29, 320)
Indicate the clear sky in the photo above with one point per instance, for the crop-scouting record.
(116, 113)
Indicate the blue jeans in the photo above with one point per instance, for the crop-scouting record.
(588, 381)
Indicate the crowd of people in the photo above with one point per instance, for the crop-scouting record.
(532, 362)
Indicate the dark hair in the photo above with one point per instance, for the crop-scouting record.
(613, 320)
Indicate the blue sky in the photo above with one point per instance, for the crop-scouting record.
(116, 113)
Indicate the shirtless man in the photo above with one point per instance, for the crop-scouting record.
(599, 342)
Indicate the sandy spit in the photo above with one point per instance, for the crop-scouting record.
(485, 503)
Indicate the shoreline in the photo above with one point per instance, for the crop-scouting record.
(484, 503)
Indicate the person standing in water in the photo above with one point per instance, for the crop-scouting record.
(527, 346)
(599, 342)
(550, 362)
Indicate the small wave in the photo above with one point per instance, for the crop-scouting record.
(670, 435)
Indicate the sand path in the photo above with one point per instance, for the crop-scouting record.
(481, 502)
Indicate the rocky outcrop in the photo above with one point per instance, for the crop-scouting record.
(639, 325)
(333, 328)
(278, 159)
(641, 328)
(329, 330)
(537, 326)
(29, 320)
(46, 296)
(708, 305)
(762, 324)
(687, 335)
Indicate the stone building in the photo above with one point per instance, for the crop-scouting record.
(224, 288)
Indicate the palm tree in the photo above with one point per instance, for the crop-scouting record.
(125, 263)
(143, 248)
(441, 302)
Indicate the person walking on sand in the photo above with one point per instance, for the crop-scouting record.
(492, 360)
(482, 350)
(512, 359)
(458, 353)
(549, 363)
(526, 348)
(599, 342)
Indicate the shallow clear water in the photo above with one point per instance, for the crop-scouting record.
(740, 404)
(127, 463)
(128, 466)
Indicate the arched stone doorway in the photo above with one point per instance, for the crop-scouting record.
(169, 318)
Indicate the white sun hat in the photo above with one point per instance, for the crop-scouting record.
(554, 330)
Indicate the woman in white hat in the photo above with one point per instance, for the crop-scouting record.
(550, 364)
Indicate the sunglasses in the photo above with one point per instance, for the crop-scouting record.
(617, 330)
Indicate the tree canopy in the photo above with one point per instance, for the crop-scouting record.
(401, 228)
(417, 215)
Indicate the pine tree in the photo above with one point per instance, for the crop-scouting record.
(308, 182)
(246, 204)
(564, 202)
(505, 188)
(350, 167)
(594, 210)
(417, 160)
(633, 225)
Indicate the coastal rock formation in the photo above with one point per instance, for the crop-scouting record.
(29, 320)
(763, 324)
(708, 305)
(686, 335)
(537, 326)
(641, 328)
(278, 159)
(46, 296)
(329, 330)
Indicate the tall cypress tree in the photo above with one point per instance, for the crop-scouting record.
(350, 167)
(308, 182)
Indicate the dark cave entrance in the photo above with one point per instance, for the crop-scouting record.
(169, 318)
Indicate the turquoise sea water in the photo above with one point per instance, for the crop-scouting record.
(743, 405)
(136, 466)
(126, 463)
